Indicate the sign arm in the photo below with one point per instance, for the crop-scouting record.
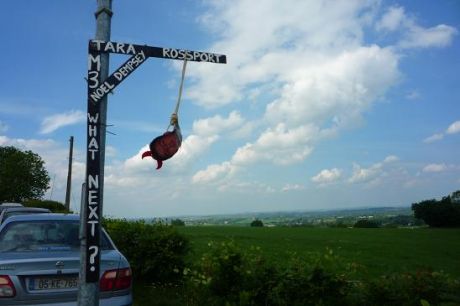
(149, 51)
(117, 77)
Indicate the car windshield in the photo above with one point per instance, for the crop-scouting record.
(48, 235)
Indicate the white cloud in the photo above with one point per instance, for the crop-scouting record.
(110, 151)
(293, 37)
(361, 175)
(374, 173)
(3, 127)
(278, 145)
(437, 36)
(453, 128)
(412, 34)
(391, 159)
(327, 176)
(295, 187)
(192, 148)
(340, 87)
(244, 131)
(38, 145)
(217, 124)
(392, 19)
(435, 168)
(245, 187)
(54, 122)
(135, 164)
(433, 138)
(213, 173)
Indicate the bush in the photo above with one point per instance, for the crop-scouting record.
(55, 207)
(365, 223)
(226, 275)
(229, 276)
(156, 252)
(402, 220)
(177, 222)
(307, 284)
(339, 224)
(410, 288)
(257, 223)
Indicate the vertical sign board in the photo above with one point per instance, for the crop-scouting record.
(98, 89)
(93, 157)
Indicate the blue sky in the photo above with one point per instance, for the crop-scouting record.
(322, 104)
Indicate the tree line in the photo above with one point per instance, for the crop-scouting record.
(443, 213)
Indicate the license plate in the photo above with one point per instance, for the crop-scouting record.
(53, 283)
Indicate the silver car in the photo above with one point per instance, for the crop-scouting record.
(40, 262)
(12, 211)
(9, 205)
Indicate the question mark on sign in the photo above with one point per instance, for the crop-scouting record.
(92, 257)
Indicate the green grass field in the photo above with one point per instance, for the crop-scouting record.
(380, 251)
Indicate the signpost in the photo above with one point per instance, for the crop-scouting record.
(97, 90)
(99, 85)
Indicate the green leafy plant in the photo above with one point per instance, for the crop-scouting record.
(156, 252)
(412, 288)
(228, 275)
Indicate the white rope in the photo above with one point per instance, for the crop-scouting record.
(180, 88)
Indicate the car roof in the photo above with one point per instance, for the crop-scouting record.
(13, 209)
(11, 205)
(43, 217)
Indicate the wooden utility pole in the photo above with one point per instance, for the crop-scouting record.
(69, 176)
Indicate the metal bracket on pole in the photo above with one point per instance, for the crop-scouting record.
(103, 10)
